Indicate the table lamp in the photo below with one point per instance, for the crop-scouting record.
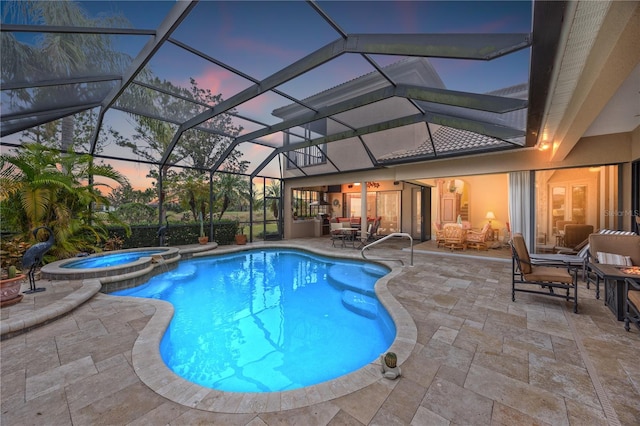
(490, 216)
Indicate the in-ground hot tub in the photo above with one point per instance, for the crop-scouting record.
(109, 264)
(110, 259)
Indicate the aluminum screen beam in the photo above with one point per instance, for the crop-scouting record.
(438, 45)
(175, 16)
(482, 102)
(56, 29)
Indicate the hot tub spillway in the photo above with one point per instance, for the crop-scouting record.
(358, 297)
(168, 279)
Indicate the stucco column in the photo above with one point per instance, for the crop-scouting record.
(363, 210)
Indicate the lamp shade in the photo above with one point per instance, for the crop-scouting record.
(490, 216)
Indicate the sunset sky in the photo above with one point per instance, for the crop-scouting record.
(259, 38)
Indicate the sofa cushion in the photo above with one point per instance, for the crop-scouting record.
(549, 274)
(614, 259)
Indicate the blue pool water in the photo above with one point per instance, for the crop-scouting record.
(270, 320)
(109, 259)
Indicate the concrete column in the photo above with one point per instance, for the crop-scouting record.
(363, 209)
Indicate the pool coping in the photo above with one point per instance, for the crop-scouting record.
(153, 372)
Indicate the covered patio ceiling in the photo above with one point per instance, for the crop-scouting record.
(229, 71)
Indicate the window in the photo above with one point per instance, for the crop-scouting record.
(307, 156)
(308, 203)
(353, 204)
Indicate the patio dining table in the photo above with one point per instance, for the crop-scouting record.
(350, 235)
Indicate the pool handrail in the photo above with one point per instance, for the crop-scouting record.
(386, 237)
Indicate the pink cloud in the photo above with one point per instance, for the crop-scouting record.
(214, 80)
(409, 16)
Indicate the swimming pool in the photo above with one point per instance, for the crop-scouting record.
(270, 320)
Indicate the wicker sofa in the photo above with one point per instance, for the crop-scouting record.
(624, 245)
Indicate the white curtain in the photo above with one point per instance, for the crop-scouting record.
(520, 206)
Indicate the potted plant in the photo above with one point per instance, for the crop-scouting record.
(10, 287)
(202, 239)
(391, 359)
(241, 239)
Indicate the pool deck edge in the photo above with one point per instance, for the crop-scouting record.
(29, 320)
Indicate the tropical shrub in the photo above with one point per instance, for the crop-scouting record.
(40, 186)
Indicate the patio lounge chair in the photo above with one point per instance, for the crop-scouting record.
(527, 276)
(575, 237)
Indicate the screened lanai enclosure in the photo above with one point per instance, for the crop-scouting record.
(213, 104)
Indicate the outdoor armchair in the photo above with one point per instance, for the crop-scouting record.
(541, 278)
(478, 239)
(455, 236)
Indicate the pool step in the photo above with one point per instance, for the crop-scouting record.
(342, 277)
(182, 273)
(360, 304)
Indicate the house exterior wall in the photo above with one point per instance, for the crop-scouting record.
(619, 148)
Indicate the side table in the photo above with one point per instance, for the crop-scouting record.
(613, 278)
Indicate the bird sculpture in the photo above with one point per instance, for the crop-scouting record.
(33, 257)
(162, 231)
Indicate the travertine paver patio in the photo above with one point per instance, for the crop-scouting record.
(479, 358)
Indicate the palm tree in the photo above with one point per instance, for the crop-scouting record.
(192, 191)
(272, 192)
(230, 189)
(32, 176)
(57, 190)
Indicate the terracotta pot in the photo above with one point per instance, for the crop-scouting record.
(203, 240)
(10, 290)
(241, 239)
